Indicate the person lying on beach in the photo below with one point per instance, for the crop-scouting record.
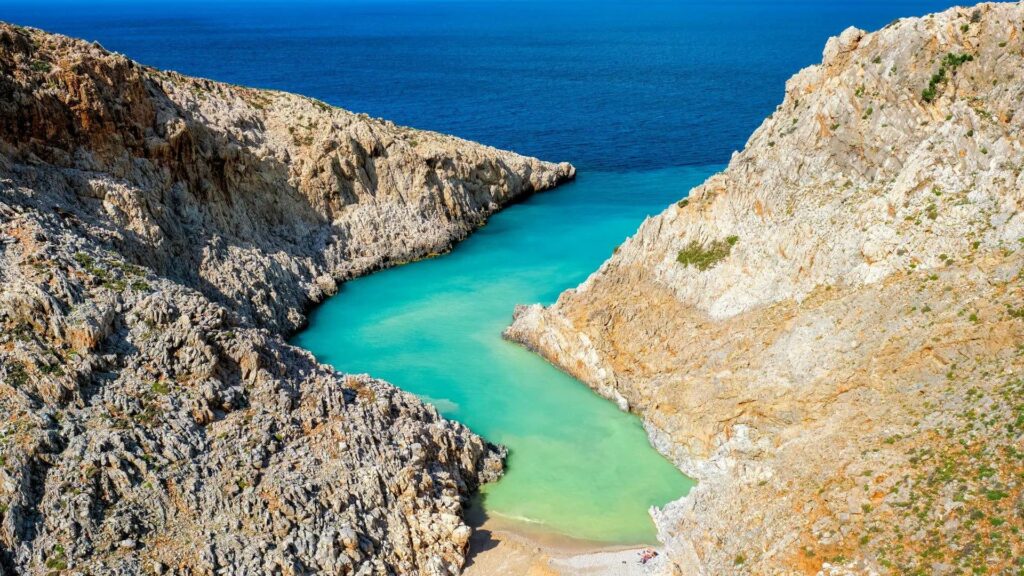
(647, 554)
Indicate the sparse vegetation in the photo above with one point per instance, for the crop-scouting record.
(17, 376)
(705, 257)
(57, 560)
(947, 67)
(114, 274)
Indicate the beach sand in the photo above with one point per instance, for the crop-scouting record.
(500, 548)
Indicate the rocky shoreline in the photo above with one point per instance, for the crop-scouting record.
(160, 235)
(826, 334)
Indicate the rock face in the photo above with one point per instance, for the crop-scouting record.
(259, 199)
(159, 236)
(827, 334)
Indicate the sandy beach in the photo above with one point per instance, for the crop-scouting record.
(500, 548)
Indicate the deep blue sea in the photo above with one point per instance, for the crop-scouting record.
(647, 98)
(613, 85)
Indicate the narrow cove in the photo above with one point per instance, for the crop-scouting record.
(577, 466)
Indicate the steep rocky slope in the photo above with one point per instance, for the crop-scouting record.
(159, 235)
(827, 335)
(255, 197)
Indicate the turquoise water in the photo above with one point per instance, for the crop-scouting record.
(610, 85)
(578, 466)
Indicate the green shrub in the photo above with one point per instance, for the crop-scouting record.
(17, 376)
(57, 560)
(83, 259)
(55, 369)
(954, 61)
(948, 65)
(705, 257)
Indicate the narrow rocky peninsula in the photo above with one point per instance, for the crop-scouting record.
(160, 235)
(828, 334)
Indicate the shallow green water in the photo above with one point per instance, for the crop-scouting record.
(578, 466)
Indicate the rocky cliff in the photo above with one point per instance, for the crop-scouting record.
(159, 236)
(827, 335)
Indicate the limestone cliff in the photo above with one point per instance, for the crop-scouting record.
(159, 235)
(257, 198)
(827, 334)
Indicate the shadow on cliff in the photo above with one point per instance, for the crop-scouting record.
(210, 205)
(482, 539)
(159, 184)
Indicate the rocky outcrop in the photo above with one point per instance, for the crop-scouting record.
(827, 334)
(262, 200)
(159, 236)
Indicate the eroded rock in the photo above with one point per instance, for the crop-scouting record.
(159, 236)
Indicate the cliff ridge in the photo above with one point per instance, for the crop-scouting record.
(826, 334)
